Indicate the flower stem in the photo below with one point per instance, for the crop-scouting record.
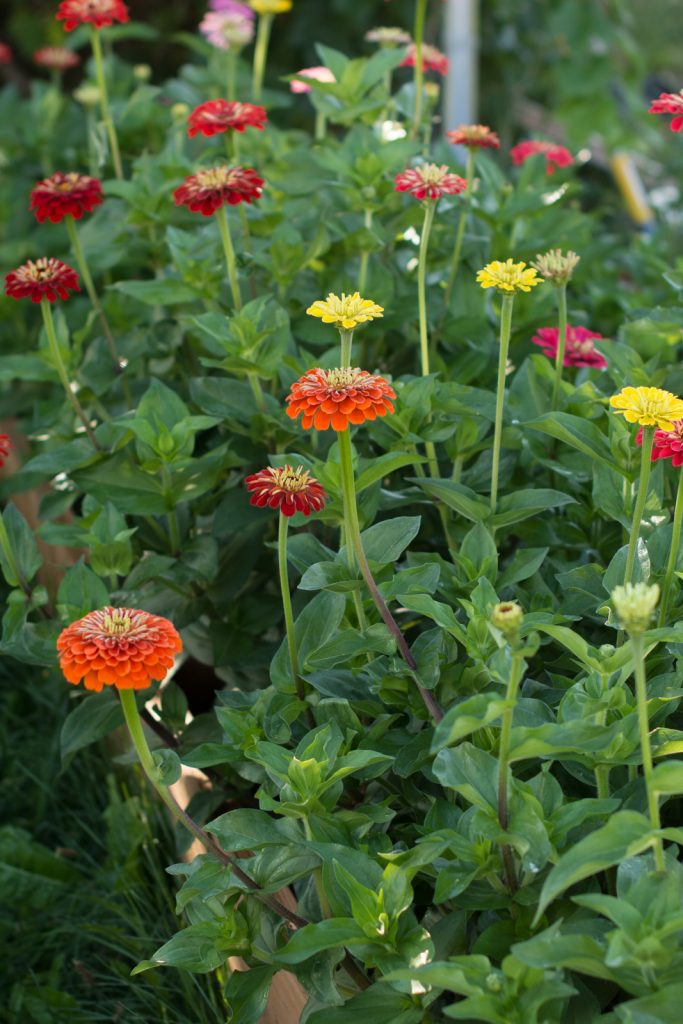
(430, 207)
(61, 370)
(365, 255)
(505, 329)
(104, 103)
(418, 77)
(561, 342)
(320, 126)
(673, 553)
(230, 262)
(353, 534)
(287, 607)
(641, 498)
(90, 287)
(644, 728)
(346, 338)
(231, 59)
(261, 54)
(514, 678)
(460, 233)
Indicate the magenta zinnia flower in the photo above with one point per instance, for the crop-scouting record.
(670, 103)
(46, 278)
(579, 347)
(555, 156)
(217, 116)
(430, 181)
(668, 444)
(205, 191)
(432, 59)
(291, 490)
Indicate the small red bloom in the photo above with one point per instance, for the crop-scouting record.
(223, 115)
(429, 181)
(335, 398)
(5, 54)
(56, 58)
(579, 347)
(5, 447)
(474, 135)
(668, 444)
(432, 59)
(45, 278)
(100, 13)
(555, 156)
(205, 191)
(670, 103)
(62, 194)
(291, 490)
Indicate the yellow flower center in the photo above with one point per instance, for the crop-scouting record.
(291, 480)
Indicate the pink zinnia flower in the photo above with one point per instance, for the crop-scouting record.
(670, 103)
(231, 7)
(207, 190)
(579, 347)
(668, 444)
(432, 59)
(217, 116)
(288, 489)
(555, 156)
(475, 135)
(429, 181)
(46, 278)
(227, 30)
(318, 74)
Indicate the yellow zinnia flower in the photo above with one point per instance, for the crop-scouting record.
(346, 311)
(271, 6)
(650, 407)
(508, 277)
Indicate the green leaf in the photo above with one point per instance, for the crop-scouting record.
(383, 466)
(199, 948)
(464, 500)
(667, 778)
(578, 433)
(80, 592)
(384, 542)
(660, 1007)
(471, 772)
(251, 829)
(466, 717)
(334, 933)
(350, 643)
(247, 994)
(523, 565)
(161, 292)
(318, 622)
(551, 949)
(94, 717)
(520, 505)
(22, 544)
(377, 1005)
(442, 614)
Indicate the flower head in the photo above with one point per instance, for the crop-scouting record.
(5, 54)
(317, 74)
(509, 277)
(345, 311)
(432, 59)
(634, 604)
(5, 447)
(430, 181)
(56, 58)
(335, 398)
(556, 267)
(474, 136)
(555, 156)
(98, 13)
(670, 103)
(229, 29)
(231, 7)
(121, 647)
(388, 36)
(56, 197)
(668, 444)
(205, 191)
(579, 348)
(508, 618)
(217, 116)
(45, 278)
(271, 6)
(291, 490)
(650, 407)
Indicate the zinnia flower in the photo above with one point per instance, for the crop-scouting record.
(317, 74)
(335, 398)
(56, 58)
(345, 311)
(121, 647)
(270, 6)
(474, 135)
(45, 278)
(231, 7)
(5, 447)
(432, 59)
(579, 347)
(61, 194)
(668, 444)
(556, 267)
(508, 277)
(99, 13)
(389, 36)
(217, 116)
(429, 181)
(555, 156)
(670, 103)
(291, 490)
(205, 191)
(5, 54)
(228, 29)
(648, 406)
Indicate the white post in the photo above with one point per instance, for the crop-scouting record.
(461, 44)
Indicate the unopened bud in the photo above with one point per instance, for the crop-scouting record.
(556, 267)
(88, 95)
(142, 72)
(507, 617)
(634, 604)
(179, 111)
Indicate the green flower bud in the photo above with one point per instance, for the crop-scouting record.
(634, 605)
(142, 72)
(507, 617)
(555, 267)
(179, 111)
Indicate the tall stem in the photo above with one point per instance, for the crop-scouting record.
(505, 330)
(260, 54)
(430, 207)
(673, 552)
(287, 607)
(644, 729)
(346, 339)
(230, 261)
(104, 103)
(90, 287)
(641, 498)
(320, 126)
(460, 233)
(353, 534)
(365, 255)
(561, 341)
(418, 78)
(231, 59)
(61, 370)
(172, 514)
(504, 762)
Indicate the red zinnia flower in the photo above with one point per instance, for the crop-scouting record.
(429, 181)
(432, 59)
(100, 13)
(5, 54)
(56, 58)
(335, 398)
(670, 103)
(45, 278)
(555, 156)
(474, 135)
(62, 194)
(121, 647)
(668, 444)
(5, 447)
(579, 347)
(291, 490)
(223, 115)
(205, 191)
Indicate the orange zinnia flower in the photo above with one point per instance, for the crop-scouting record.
(121, 647)
(335, 398)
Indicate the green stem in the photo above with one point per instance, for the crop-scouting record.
(287, 607)
(171, 515)
(505, 330)
(230, 262)
(641, 498)
(353, 534)
(90, 287)
(231, 75)
(365, 255)
(673, 553)
(460, 233)
(320, 126)
(514, 679)
(418, 77)
(104, 103)
(430, 208)
(644, 729)
(346, 339)
(260, 54)
(561, 342)
(257, 391)
(61, 370)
